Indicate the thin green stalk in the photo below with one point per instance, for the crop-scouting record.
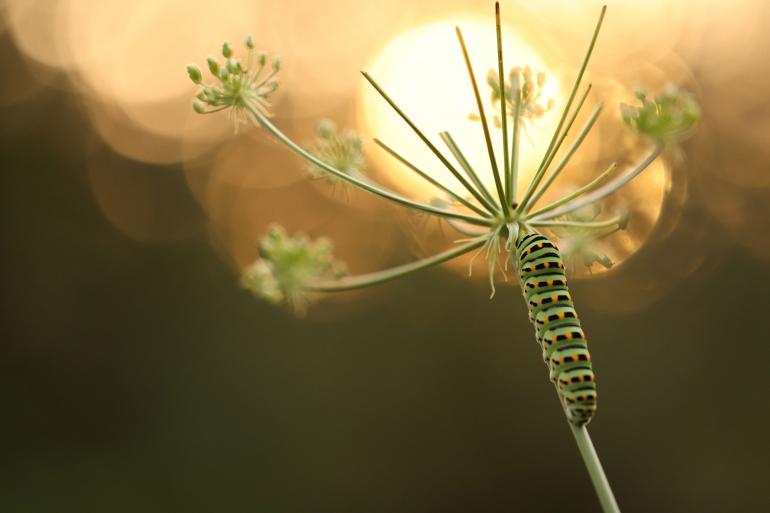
(576, 224)
(501, 81)
(262, 120)
(464, 230)
(490, 150)
(424, 139)
(563, 163)
(583, 67)
(513, 175)
(595, 470)
(460, 157)
(552, 145)
(430, 180)
(586, 188)
(364, 280)
(551, 153)
(607, 189)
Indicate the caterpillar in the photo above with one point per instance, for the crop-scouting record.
(557, 326)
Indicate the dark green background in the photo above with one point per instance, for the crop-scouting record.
(139, 378)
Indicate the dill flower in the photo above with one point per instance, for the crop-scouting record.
(236, 87)
(343, 150)
(666, 118)
(288, 266)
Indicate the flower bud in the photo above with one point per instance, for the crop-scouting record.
(213, 66)
(195, 73)
(249, 43)
(227, 50)
(198, 107)
(261, 59)
(233, 67)
(276, 64)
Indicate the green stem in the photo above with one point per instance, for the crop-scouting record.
(576, 224)
(365, 280)
(552, 146)
(551, 153)
(262, 120)
(423, 138)
(460, 157)
(513, 175)
(595, 470)
(430, 180)
(607, 189)
(563, 163)
(586, 188)
(504, 120)
(484, 125)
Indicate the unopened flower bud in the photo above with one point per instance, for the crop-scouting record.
(234, 67)
(227, 50)
(198, 107)
(213, 66)
(195, 73)
(249, 43)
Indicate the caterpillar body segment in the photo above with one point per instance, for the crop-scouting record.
(557, 326)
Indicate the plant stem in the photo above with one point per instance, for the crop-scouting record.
(365, 280)
(513, 175)
(595, 470)
(586, 188)
(262, 120)
(423, 138)
(551, 153)
(560, 167)
(576, 224)
(460, 157)
(606, 189)
(503, 115)
(429, 179)
(490, 150)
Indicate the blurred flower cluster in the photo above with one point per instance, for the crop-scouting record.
(288, 266)
(238, 87)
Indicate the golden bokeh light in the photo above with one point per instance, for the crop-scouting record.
(424, 72)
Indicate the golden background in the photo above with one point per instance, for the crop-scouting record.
(137, 376)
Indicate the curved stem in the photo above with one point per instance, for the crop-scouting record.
(425, 176)
(423, 138)
(605, 190)
(576, 224)
(358, 182)
(365, 280)
(586, 188)
(595, 470)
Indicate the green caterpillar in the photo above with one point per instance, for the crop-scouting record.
(557, 327)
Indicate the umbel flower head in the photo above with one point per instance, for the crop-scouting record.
(523, 89)
(236, 87)
(666, 118)
(342, 150)
(288, 266)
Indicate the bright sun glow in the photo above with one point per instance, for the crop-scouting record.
(425, 74)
